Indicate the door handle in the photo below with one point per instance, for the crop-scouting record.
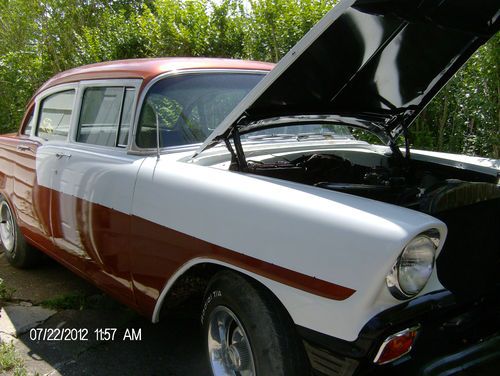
(23, 147)
(61, 155)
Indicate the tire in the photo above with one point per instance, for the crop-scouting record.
(260, 337)
(18, 253)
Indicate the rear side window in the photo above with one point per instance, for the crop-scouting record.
(105, 116)
(55, 116)
(28, 124)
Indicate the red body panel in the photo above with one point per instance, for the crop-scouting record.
(18, 184)
(147, 69)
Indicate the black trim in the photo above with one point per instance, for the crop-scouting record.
(242, 162)
(452, 328)
(483, 352)
(391, 320)
(234, 158)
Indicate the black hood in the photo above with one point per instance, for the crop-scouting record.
(378, 61)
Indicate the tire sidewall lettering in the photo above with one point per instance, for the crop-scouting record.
(213, 294)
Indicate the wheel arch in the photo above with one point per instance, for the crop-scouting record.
(13, 208)
(15, 212)
(214, 266)
(6, 197)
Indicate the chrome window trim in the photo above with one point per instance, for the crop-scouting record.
(26, 119)
(112, 82)
(46, 93)
(133, 148)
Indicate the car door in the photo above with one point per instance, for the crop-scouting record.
(91, 178)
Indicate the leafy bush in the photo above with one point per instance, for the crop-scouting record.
(39, 39)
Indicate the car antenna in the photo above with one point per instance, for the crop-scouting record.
(157, 136)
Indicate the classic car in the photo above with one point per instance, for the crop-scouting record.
(317, 252)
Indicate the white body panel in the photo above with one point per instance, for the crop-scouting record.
(99, 175)
(336, 237)
(340, 238)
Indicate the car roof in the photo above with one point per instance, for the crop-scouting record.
(147, 69)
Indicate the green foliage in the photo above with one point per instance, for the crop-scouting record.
(465, 115)
(274, 26)
(6, 293)
(80, 302)
(10, 361)
(41, 38)
(77, 302)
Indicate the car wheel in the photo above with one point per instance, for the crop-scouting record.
(248, 332)
(17, 251)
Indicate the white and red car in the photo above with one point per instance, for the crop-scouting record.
(320, 252)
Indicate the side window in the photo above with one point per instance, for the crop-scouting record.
(105, 116)
(28, 124)
(128, 103)
(55, 116)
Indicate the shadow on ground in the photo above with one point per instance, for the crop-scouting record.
(173, 347)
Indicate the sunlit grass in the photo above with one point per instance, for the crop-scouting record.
(10, 361)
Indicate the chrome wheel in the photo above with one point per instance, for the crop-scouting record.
(7, 228)
(228, 346)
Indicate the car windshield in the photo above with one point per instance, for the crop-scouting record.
(188, 107)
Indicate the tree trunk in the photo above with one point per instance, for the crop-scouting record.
(442, 123)
(275, 43)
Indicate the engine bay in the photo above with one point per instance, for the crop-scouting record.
(407, 183)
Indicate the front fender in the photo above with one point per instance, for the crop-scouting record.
(334, 237)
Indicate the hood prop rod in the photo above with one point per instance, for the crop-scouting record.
(390, 124)
(407, 143)
(234, 157)
(238, 157)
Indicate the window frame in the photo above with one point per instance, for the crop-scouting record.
(28, 117)
(121, 83)
(38, 103)
(137, 150)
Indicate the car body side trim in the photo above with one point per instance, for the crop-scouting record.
(264, 269)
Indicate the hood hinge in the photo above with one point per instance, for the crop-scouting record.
(392, 124)
(238, 160)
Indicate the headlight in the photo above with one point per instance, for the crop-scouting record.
(414, 266)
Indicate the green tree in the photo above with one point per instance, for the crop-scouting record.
(465, 115)
(41, 38)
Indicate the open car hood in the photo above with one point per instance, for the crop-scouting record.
(378, 62)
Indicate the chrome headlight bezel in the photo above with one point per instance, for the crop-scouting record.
(393, 279)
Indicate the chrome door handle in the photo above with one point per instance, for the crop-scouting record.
(60, 155)
(23, 147)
